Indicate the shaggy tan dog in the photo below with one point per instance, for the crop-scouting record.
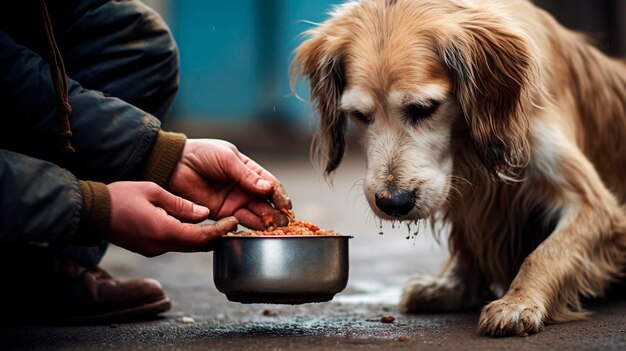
(491, 117)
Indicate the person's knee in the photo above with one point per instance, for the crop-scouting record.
(126, 50)
(159, 63)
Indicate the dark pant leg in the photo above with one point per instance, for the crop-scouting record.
(89, 256)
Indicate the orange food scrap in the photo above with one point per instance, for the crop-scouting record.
(387, 319)
(272, 223)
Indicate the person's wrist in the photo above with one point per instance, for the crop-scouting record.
(163, 157)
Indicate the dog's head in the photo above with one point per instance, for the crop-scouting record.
(414, 75)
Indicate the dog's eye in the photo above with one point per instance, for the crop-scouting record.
(361, 117)
(414, 113)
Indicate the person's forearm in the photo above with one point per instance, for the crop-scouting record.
(43, 204)
(112, 138)
(40, 204)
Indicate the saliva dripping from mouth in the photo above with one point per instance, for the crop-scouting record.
(412, 227)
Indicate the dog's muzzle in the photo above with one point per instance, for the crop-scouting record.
(395, 202)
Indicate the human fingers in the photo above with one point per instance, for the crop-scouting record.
(177, 206)
(251, 211)
(268, 214)
(247, 178)
(260, 207)
(249, 219)
(187, 237)
(280, 199)
(257, 168)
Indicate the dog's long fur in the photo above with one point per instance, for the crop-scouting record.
(524, 156)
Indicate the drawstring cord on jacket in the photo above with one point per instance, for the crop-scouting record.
(59, 78)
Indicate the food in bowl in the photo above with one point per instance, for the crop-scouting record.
(286, 224)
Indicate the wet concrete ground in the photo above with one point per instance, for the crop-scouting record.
(380, 265)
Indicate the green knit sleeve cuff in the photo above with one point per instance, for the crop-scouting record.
(163, 157)
(96, 214)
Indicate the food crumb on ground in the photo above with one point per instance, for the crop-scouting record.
(402, 338)
(269, 313)
(387, 319)
(187, 320)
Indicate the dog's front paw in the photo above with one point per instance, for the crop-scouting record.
(506, 317)
(427, 293)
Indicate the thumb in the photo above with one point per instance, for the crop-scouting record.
(248, 179)
(180, 208)
(201, 237)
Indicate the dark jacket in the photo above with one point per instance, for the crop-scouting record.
(122, 66)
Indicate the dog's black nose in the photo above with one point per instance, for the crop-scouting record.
(395, 202)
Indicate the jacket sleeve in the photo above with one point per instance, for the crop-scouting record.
(112, 138)
(42, 199)
(43, 204)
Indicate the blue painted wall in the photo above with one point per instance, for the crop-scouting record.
(235, 57)
(235, 54)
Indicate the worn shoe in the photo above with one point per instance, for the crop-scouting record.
(69, 292)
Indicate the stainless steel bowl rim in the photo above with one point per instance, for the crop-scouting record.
(284, 236)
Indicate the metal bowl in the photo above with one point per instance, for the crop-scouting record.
(281, 269)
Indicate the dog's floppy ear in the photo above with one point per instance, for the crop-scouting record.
(320, 61)
(491, 67)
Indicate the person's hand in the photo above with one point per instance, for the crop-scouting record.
(146, 219)
(215, 174)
